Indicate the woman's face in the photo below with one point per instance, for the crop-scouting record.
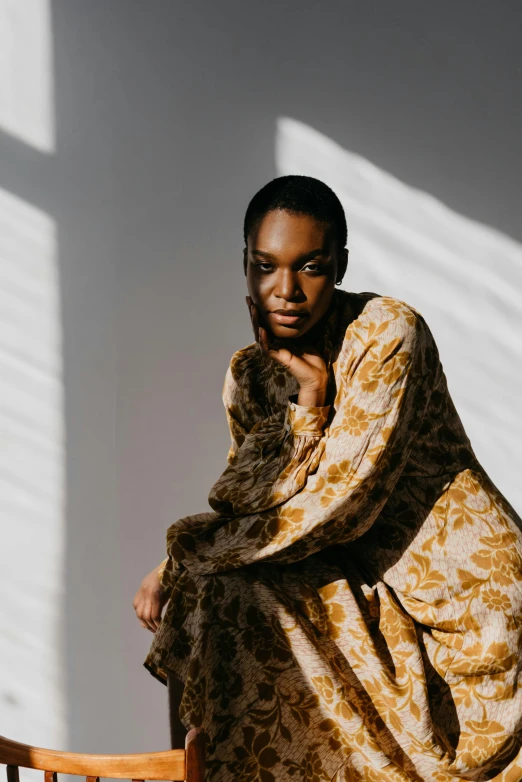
(292, 263)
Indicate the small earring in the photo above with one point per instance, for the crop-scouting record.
(338, 282)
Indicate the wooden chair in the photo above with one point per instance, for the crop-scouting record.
(175, 764)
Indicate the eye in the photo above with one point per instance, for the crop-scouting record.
(317, 270)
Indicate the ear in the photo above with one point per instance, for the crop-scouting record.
(245, 260)
(342, 263)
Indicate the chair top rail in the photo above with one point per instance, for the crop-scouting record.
(166, 765)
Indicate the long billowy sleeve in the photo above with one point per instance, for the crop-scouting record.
(381, 401)
(167, 574)
(270, 460)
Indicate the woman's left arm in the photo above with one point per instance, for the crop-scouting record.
(385, 394)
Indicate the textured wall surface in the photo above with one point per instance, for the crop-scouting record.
(463, 276)
(132, 136)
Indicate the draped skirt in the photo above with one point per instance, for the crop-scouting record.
(306, 671)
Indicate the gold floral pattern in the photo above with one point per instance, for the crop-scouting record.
(351, 606)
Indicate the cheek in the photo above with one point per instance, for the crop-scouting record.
(259, 287)
(322, 302)
(320, 291)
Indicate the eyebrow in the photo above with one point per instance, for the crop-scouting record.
(304, 257)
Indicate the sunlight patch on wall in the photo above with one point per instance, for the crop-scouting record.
(26, 72)
(32, 468)
(463, 276)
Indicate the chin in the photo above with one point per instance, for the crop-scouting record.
(286, 332)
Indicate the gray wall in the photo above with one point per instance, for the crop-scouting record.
(165, 122)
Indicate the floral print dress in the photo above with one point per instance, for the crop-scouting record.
(351, 607)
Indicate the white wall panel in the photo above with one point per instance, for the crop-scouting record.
(26, 78)
(32, 697)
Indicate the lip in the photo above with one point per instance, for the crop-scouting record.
(287, 318)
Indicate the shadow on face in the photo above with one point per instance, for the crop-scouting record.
(292, 262)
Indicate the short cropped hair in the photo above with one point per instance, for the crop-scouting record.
(301, 195)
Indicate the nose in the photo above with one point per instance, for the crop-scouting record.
(286, 285)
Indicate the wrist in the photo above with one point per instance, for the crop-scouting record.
(161, 567)
(308, 397)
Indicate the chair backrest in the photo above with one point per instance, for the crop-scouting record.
(175, 764)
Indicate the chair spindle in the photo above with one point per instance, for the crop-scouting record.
(13, 775)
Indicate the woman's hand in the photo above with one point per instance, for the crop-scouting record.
(150, 600)
(308, 366)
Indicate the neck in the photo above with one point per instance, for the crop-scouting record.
(316, 332)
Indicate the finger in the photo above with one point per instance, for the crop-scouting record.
(155, 616)
(143, 614)
(146, 616)
(281, 354)
(295, 364)
(144, 624)
(263, 341)
(253, 317)
(255, 321)
(250, 313)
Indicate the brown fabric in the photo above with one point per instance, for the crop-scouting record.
(350, 608)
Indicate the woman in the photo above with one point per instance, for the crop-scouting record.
(350, 609)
